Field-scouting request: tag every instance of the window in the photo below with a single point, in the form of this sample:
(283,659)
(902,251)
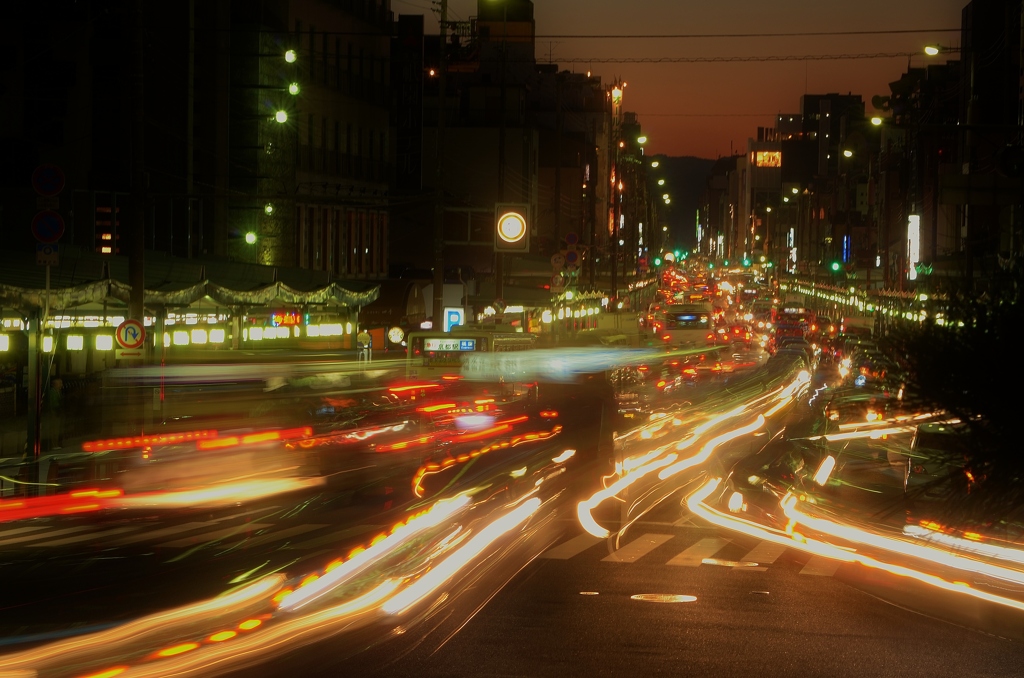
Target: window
(337,63)
(310,58)
(768,159)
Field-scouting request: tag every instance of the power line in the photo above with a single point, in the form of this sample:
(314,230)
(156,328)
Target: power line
(677,36)
(706,115)
(729,59)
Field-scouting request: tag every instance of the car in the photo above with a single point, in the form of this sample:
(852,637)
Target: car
(853,405)
(739,334)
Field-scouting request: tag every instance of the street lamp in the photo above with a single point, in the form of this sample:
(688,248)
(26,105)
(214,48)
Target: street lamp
(250,238)
(290,56)
(932,50)
(641,140)
(661,182)
(847,153)
(655,164)
(281,117)
(876,121)
(268,209)
(293,88)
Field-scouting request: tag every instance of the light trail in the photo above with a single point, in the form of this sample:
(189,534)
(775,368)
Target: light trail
(695,502)
(790,506)
(446,569)
(401,534)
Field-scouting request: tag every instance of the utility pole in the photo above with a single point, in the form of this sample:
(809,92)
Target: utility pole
(136,255)
(499,257)
(439,196)
(190,122)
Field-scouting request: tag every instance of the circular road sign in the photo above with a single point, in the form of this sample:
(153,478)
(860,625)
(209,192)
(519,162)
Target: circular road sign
(571,239)
(511,227)
(47,226)
(48,180)
(131,334)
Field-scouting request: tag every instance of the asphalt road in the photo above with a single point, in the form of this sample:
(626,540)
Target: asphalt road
(550,601)
(577,616)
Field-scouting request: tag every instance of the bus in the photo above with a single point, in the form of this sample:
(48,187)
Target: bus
(686,325)
(435,354)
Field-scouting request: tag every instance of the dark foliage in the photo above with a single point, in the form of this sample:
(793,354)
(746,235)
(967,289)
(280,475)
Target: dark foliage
(971,366)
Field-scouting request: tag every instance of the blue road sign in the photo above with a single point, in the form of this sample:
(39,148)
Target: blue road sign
(48,180)
(47,226)
(453,317)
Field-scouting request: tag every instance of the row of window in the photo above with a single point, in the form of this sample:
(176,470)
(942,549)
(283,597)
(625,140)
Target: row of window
(325,59)
(349,140)
(344,241)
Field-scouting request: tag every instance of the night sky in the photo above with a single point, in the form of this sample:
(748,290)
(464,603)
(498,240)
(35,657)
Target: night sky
(700,108)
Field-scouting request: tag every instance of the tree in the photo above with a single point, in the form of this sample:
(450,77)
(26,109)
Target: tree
(970,367)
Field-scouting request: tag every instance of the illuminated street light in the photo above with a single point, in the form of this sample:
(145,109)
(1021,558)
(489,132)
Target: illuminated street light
(661,182)
(641,140)
(281,116)
(664,228)
(268,209)
(655,164)
(664,196)
(768,209)
(290,56)
(931,50)
(795,191)
(785,198)
(667,201)
(876,121)
(250,238)
(293,88)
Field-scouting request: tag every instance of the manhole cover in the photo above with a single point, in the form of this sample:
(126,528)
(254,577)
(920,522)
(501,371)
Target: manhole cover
(663,598)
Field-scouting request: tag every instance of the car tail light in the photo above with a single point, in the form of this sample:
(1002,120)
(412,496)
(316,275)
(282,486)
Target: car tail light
(666,338)
(661,384)
(689,370)
(711,337)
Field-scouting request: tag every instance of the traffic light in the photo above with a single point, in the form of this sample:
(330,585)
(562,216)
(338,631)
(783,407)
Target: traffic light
(657,261)
(835,266)
(746,263)
(511,227)
(710,266)
(676,253)
(725,263)
(769,265)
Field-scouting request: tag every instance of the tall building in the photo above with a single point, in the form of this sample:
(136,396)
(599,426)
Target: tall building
(254,131)
(311,184)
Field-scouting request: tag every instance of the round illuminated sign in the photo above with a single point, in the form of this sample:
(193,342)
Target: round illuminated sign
(396,334)
(511,227)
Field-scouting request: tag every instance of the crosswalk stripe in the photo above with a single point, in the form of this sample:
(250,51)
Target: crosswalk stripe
(694,556)
(165,532)
(573,547)
(216,534)
(43,535)
(334,538)
(84,537)
(765,553)
(283,534)
(822,567)
(637,548)
(21,530)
